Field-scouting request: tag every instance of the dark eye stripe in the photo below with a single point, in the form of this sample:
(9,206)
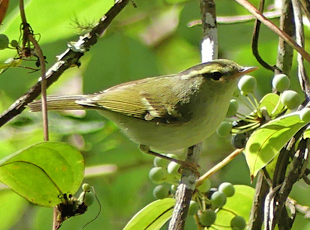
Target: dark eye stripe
(214,75)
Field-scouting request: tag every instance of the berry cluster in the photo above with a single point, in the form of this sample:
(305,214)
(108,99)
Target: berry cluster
(261,112)
(166,175)
(72,206)
(206,201)
(210,201)
(5,42)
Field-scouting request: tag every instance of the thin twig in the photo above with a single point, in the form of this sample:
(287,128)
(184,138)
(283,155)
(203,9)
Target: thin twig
(218,166)
(255,40)
(29,36)
(238,19)
(274,28)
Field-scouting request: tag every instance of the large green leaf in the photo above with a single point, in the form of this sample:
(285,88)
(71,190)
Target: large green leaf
(240,204)
(41,172)
(61,20)
(153,216)
(266,142)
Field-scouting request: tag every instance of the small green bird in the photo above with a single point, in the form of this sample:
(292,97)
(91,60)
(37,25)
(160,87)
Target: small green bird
(164,113)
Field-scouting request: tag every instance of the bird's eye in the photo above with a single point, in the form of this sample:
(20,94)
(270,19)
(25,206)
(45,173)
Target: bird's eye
(214,75)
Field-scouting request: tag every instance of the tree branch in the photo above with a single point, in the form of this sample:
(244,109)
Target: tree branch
(66,60)
(209,51)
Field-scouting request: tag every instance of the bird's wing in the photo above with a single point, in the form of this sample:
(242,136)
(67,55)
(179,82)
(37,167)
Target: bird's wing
(130,100)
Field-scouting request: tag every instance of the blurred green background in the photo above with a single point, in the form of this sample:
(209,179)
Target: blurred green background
(152,39)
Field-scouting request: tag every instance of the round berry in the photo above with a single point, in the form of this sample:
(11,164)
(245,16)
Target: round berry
(281,82)
(161,191)
(305,114)
(158,175)
(205,186)
(239,140)
(224,129)
(160,162)
(233,108)
(207,218)
(89,198)
(218,199)
(247,84)
(4,41)
(173,168)
(227,188)
(193,208)
(290,99)
(210,192)
(238,223)
(86,187)
(14,43)
(173,188)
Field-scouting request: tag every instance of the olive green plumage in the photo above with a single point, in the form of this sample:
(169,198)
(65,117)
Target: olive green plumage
(166,112)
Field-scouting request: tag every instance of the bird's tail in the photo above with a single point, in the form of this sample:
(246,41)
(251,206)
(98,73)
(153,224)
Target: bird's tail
(58,103)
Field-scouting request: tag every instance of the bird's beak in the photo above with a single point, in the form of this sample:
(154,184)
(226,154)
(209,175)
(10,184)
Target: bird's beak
(246,70)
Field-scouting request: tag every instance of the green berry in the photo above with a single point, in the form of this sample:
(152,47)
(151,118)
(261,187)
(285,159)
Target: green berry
(161,191)
(239,140)
(4,41)
(290,99)
(14,43)
(224,129)
(218,199)
(89,198)
(193,208)
(227,188)
(205,186)
(161,162)
(158,175)
(173,188)
(305,114)
(207,218)
(173,168)
(238,223)
(281,82)
(233,108)
(247,84)
(210,192)
(86,187)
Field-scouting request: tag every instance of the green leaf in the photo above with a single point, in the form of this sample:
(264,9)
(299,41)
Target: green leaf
(63,17)
(271,101)
(239,204)
(306,134)
(41,172)
(266,142)
(153,216)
